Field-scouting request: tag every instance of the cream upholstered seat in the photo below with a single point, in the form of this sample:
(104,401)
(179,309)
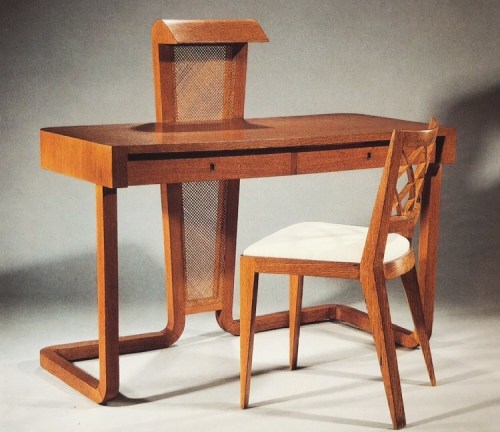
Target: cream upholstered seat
(325,242)
(370,254)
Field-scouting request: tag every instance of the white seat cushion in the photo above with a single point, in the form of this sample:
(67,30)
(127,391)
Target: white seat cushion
(323,242)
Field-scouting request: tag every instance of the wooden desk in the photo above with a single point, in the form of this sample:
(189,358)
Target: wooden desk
(117,156)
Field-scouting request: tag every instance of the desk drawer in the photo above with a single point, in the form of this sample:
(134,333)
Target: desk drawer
(341,159)
(152,171)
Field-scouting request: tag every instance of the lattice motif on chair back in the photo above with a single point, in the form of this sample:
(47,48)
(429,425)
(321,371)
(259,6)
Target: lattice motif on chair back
(204,90)
(408,194)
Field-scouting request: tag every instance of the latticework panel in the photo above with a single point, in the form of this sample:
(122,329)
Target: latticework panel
(411,177)
(204,81)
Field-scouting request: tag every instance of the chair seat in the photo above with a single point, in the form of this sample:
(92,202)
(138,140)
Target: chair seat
(322,241)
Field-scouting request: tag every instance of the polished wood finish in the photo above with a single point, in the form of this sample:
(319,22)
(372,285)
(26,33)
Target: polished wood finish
(214,53)
(171,200)
(58,359)
(397,208)
(296,290)
(337,142)
(172,32)
(308,132)
(428,240)
(83,159)
(158,153)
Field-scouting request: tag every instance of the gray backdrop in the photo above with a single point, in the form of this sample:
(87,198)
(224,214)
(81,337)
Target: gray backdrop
(89,62)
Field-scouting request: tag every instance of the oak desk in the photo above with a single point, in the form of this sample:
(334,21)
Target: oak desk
(172,155)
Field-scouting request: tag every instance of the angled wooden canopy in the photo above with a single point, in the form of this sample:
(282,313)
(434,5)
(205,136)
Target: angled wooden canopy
(173,32)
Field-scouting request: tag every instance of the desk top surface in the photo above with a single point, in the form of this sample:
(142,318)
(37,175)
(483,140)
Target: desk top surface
(239,134)
(129,154)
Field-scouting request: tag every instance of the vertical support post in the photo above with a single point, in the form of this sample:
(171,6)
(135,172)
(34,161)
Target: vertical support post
(171,200)
(107,291)
(225,315)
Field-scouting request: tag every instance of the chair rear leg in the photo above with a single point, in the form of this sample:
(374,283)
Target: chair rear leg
(248,301)
(410,283)
(296,289)
(377,304)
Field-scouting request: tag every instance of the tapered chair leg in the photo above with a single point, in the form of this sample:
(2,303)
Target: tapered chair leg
(410,283)
(374,291)
(248,302)
(296,289)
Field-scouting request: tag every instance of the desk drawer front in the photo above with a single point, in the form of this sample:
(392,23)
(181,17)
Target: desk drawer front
(208,168)
(340,159)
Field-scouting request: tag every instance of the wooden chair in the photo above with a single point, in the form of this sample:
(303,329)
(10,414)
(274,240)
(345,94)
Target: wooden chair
(371,254)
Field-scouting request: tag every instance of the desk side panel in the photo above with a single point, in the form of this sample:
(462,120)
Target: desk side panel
(448,135)
(84,160)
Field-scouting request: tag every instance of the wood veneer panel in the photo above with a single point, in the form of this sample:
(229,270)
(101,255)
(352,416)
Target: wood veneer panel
(251,134)
(205,169)
(207,31)
(100,164)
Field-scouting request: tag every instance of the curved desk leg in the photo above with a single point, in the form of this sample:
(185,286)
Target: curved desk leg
(171,205)
(224,316)
(59,360)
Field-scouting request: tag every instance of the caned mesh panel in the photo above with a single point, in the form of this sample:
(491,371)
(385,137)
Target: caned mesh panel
(204,207)
(200,82)
(204,88)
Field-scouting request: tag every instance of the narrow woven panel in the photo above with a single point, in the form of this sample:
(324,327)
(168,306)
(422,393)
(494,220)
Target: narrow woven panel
(204,86)
(204,206)
(200,80)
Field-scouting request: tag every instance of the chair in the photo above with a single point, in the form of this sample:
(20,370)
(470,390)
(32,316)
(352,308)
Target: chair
(371,254)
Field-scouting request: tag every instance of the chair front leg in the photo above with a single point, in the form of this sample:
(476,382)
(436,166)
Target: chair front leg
(375,293)
(410,283)
(248,301)
(296,289)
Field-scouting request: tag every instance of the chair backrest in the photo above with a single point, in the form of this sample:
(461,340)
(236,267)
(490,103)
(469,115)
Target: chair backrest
(418,151)
(398,203)
(200,77)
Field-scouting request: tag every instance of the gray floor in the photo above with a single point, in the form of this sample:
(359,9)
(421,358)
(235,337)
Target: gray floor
(194,385)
